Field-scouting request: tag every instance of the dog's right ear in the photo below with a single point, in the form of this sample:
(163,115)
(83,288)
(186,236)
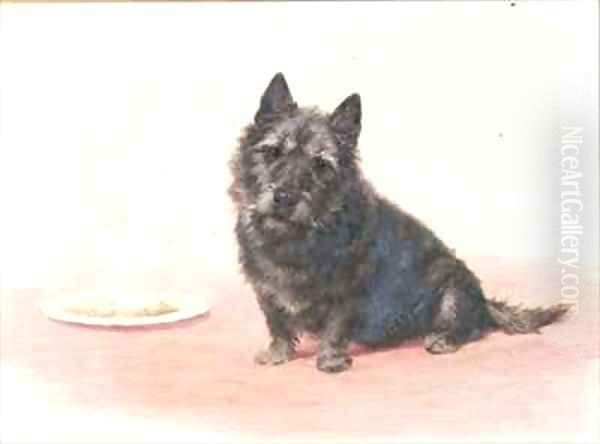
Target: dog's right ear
(276,99)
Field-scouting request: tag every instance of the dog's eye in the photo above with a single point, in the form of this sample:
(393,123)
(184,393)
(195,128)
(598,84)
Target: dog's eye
(306,182)
(321,163)
(272,152)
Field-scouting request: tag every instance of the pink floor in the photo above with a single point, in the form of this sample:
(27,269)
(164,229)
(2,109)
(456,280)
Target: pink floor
(199,375)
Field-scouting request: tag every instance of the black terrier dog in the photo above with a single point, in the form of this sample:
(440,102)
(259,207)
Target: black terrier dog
(328,256)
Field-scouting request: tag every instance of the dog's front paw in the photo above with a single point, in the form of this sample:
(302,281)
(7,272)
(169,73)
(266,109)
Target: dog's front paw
(334,363)
(276,354)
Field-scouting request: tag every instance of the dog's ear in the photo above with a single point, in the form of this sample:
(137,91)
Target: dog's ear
(276,99)
(345,120)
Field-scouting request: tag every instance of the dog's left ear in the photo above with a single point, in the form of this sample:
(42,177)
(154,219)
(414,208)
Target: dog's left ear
(276,99)
(346,118)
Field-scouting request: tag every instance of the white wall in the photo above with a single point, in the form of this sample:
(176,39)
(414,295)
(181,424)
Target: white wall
(118,120)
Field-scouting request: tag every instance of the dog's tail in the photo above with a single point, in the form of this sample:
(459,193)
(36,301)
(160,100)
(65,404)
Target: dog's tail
(513,319)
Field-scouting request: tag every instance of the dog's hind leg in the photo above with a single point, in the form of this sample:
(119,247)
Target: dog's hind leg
(457,321)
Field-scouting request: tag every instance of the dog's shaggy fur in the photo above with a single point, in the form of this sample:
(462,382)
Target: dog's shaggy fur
(328,256)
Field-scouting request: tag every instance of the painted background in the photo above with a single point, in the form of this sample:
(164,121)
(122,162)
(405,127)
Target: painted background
(117,122)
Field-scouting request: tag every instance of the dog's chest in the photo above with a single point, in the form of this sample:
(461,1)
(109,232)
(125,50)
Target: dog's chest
(290,302)
(289,289)
(305,313)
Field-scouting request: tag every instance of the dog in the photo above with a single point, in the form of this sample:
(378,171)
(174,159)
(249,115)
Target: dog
(328,256)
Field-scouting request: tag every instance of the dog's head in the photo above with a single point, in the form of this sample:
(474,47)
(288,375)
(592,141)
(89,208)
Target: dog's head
(295,165)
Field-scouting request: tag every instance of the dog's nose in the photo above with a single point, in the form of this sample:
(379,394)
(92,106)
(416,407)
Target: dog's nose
(280,197)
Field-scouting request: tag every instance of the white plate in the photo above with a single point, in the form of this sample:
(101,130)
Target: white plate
(188,307)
